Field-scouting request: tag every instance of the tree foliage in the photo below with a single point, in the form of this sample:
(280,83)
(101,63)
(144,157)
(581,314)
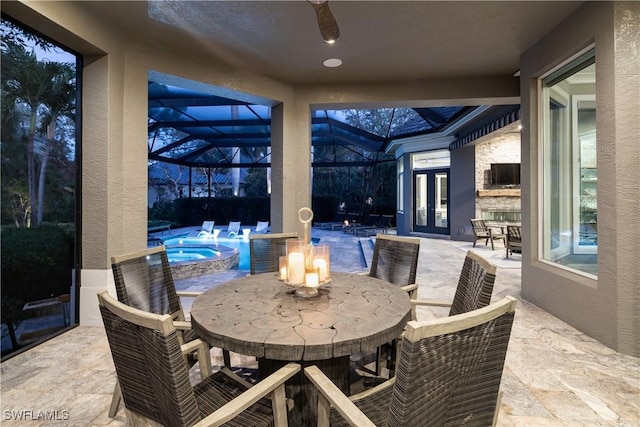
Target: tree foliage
(38,106)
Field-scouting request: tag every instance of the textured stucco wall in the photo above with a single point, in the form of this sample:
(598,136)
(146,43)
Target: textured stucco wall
(606,308)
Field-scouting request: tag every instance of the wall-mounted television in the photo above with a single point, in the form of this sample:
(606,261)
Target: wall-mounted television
(505,173)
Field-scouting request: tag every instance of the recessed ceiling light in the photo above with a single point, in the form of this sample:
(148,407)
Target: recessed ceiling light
(332,62)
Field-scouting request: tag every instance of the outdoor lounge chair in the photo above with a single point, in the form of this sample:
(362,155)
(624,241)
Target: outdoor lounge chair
(338,220)
(265,251)
(483,232)
(144,281)
(207,229)
(348,220)
(233,229)
(262,227)
(154,376)
(449,374)
(368,224)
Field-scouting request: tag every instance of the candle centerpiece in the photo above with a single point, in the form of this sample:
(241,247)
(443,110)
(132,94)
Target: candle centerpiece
(307,266)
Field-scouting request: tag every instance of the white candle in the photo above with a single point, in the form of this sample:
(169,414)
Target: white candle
(295,270)
(283,273)
(311,280)
(321,265)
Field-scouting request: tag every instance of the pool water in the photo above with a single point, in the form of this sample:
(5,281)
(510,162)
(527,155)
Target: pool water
(202,248)
(209,248)
(189,254)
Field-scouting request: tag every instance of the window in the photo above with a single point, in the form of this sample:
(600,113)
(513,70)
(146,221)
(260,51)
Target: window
(39,182)
(569,220)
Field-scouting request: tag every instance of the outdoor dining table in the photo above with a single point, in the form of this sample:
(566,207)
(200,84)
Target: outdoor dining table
(261,316)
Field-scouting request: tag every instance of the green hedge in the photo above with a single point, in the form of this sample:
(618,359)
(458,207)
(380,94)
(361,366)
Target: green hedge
(248,210)
(36,262)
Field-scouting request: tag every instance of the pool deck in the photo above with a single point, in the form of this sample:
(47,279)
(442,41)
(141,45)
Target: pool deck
(349,253)
(554,375)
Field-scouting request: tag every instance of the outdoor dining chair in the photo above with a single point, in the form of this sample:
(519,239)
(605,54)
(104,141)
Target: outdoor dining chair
(144,281)
(395,260)
(265,251)
(154,376)
(449,374)
(475,286)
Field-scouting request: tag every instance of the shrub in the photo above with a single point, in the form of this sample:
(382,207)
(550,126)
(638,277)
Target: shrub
(36,262)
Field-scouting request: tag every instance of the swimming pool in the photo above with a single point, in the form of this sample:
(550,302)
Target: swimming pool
(196,248)
(190,254)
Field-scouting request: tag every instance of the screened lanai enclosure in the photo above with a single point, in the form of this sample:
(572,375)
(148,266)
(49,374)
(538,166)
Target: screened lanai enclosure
(203,145)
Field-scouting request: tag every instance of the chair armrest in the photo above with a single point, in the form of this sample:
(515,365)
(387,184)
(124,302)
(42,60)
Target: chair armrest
(182,325)
(330,395)
(204,357)
(430,302)
(373,390)
(274,383)
(188,294)
(412,290)
(425,302)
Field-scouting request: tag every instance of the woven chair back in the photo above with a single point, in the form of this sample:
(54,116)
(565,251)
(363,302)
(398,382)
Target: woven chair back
(475,284)
(266,249)
(395,259)
(514,233)
(452,378)
(144,281)
(151,369)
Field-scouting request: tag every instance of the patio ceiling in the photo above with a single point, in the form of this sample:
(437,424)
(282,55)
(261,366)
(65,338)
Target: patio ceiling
(191,128)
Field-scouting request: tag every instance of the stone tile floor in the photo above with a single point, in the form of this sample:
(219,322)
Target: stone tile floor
(554,374)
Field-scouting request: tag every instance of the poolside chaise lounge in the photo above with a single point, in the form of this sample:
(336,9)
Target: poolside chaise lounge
(207,229)
(262,227)
(233,229)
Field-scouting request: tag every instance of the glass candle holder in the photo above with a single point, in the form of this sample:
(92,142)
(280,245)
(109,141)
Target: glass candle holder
(311,279)
(295,261)
(322,262)
(283,267)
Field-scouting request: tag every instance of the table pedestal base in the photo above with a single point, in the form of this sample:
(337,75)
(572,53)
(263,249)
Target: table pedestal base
(300,389)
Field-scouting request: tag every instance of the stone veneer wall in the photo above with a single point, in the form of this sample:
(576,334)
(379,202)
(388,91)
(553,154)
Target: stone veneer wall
(502,146)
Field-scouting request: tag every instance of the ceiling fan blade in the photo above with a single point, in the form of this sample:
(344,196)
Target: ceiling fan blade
(326,22)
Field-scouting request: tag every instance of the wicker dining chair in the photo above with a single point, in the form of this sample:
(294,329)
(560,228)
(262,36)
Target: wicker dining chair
(154,376)
(395,259)
(144,281)
(475,286)
(448,374)
(265,251)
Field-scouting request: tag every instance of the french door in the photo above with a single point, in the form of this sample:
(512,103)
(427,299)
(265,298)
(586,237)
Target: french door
(430,201)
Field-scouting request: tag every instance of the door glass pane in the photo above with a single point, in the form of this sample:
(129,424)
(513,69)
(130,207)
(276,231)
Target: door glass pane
(441,199)
(421,199)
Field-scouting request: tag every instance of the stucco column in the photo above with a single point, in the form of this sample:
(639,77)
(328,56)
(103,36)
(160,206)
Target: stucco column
(290,161)
(114,170)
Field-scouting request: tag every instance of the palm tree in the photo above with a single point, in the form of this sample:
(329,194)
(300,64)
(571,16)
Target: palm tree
(59,101)
(40,85)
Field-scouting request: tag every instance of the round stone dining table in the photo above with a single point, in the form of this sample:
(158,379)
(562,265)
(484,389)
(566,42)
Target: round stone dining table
(261,316)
